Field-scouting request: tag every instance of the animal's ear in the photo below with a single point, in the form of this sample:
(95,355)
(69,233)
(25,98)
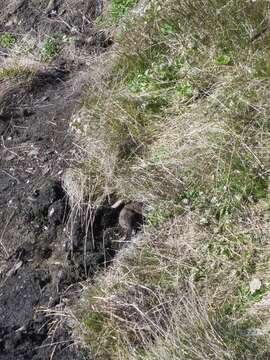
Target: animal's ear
(117,204)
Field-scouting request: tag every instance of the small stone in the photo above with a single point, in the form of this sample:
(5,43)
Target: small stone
(204,221)
(214,200)
(51,212)
(216,230)
(53,13)
(33,152)
(254,285)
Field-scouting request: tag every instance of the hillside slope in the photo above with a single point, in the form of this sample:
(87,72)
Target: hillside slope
(165,103)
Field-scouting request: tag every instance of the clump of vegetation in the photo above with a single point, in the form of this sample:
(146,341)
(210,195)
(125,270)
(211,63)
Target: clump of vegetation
(120,7)
(50,47)
(224,60)
(16,72)
(7,40)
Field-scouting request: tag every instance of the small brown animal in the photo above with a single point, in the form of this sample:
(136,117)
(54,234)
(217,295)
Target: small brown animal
(131,218)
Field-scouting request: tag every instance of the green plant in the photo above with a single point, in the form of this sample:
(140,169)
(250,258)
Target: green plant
(262,68)
(50,47)
(160,75)
(140,82)
(184,89)
(95,322)
(239,337)
(120,7)
(101,334)
(7,40)
(224,60)
(169,28)
(237,183)
(164,210)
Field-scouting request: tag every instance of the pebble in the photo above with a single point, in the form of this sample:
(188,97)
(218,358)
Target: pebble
(254,285)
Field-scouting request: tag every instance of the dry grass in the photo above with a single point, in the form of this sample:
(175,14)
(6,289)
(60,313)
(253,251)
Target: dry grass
(180,120)
(173,114)
(181,293)
(178,117)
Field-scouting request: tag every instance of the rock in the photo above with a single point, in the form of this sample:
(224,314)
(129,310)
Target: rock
(34,152)
(20,293)
(254,285)
(4,183)
(204,221)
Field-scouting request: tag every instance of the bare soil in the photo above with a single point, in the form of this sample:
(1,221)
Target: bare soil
(48,17)
(35,149)
(42,258)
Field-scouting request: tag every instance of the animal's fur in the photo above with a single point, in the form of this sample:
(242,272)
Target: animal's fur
(131,218)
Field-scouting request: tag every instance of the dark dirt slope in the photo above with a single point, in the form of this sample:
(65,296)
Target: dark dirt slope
(35,149)
(38,272)
(48,16)
(35,143)
(40,269)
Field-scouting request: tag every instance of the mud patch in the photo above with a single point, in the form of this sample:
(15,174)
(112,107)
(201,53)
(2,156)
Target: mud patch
(53,30)
(35,149)
(35,145)
(48,16)
(45,248)
(42,275)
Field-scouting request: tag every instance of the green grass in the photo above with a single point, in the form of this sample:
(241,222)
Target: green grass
(7,40)
(94,322)
(119,8)
(16,73)
(50,47)
(224,60)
